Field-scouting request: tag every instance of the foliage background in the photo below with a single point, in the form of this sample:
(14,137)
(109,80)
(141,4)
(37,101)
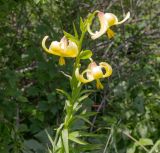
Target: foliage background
(129,107)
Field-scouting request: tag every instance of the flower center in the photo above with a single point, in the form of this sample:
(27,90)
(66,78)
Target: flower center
(97,72)
(110,19)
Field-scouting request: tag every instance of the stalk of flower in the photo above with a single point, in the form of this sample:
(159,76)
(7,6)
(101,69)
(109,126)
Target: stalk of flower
(64,48)
(94,72)
(106,20)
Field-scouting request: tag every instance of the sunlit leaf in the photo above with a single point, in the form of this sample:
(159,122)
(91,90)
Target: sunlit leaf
(65,140)
(131,149)
(86,54)
(84,118)
(146,141)
(71,37)
(73,137)
(64,93)
(82,26)
(75,31)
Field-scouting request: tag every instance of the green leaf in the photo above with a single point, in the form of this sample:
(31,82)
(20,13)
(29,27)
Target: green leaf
(74,134)
(146,142)
(71,37)
(90,147)
(22,99)
(73,137)
(65,140)
(49,151)
(57,136)
(86,91)
(75,31)
(131,149)
(50,139)
(88,114)
(64,93)
(82,25)
(155,147)
(36,1)
(33,144)
(86,54)
(85,134)
(76,106)
(84,118)
(83,97)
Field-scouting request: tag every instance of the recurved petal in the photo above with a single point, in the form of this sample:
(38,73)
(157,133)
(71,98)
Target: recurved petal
(44,44)
(126,18)
(103,26)
(107,68)
(80,77)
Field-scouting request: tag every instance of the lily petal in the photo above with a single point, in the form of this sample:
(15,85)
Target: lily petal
(126,18)
(107,68)
(80,77)
(64,42)
(55,48)
(103,26)
(44,45)
(71,50)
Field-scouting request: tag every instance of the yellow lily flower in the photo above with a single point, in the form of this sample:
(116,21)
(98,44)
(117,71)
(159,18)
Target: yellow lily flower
(106,21)
(94,72)
(64,48)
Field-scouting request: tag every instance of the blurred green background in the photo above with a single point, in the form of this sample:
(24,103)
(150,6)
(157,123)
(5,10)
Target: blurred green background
(29,104)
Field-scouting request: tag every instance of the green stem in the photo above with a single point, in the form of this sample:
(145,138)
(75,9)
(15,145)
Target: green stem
(155,146)
(136,141)
(74,95)
(74,85)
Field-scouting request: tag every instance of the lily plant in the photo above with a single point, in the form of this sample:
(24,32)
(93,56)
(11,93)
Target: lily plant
(70,46)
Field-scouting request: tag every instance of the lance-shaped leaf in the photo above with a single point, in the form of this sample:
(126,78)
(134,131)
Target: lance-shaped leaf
(65,140)
(85,134)
(90,147)
(82,25)
(86,91)
(73,137)
(64,93)
(146,142)
(84,119)
(88,114)
(71,37)
(83,97)
(86,54)
(75,31)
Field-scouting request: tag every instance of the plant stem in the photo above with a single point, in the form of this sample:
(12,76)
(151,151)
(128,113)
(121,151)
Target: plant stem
(74,84)
(136,141)
(74,96)
(155,146)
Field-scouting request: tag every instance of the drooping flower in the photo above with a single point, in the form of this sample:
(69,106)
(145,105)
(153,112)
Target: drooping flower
(64,48)
(106,21)
(94,72)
